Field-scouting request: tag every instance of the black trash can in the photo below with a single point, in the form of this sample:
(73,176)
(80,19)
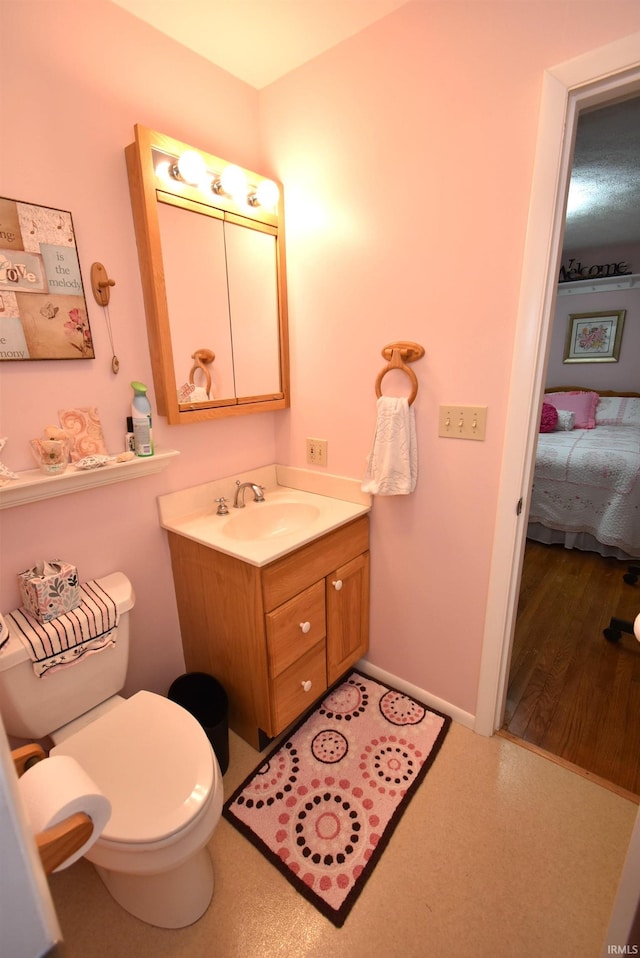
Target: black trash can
(204,697)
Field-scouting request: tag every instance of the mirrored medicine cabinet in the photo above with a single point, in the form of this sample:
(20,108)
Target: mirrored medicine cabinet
(210,239)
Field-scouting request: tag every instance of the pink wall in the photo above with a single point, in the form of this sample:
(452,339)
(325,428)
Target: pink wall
(76,78)
(406,154)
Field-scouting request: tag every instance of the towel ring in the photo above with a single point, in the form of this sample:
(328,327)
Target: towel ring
(398,355)
(202,357)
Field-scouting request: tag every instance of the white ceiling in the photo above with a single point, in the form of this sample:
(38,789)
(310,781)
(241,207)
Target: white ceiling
(259,41)
(604,198)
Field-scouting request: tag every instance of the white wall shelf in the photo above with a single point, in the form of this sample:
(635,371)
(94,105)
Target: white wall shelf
(33,484)
(606,283)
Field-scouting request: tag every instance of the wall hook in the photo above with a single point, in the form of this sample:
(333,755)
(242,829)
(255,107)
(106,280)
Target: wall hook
(100,284)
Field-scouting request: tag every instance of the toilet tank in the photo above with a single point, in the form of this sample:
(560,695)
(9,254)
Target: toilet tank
(33,706)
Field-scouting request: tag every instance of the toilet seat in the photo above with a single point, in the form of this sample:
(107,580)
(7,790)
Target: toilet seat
(153,761)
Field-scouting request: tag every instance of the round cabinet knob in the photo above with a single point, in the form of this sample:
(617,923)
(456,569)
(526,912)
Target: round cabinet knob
(337,584)
(305,627)
(306,685)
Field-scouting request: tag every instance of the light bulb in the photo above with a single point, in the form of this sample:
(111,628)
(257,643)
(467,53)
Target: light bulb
(267,193)
(163,171)
(192,167)
(234,182)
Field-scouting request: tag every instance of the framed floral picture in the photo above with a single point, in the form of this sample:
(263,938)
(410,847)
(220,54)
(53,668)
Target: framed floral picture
(594,337)
(43,311)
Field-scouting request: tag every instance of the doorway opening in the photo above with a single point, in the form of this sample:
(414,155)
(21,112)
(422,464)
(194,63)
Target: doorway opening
(597,78)
(570,693)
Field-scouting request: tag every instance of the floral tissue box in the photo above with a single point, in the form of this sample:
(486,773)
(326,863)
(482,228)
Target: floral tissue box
(50,589)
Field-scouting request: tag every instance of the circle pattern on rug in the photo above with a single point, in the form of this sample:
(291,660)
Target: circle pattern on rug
(347,702)
(328,834)
(390,764)
(401,710)
(329,746)
(273,780)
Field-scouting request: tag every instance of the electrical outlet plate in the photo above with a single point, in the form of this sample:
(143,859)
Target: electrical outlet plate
(317,451)
(462,422)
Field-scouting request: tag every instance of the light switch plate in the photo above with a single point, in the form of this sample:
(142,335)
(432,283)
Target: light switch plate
(462,422)
(317,451)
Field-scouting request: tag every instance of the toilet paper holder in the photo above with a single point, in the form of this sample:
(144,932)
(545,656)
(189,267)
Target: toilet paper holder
(59,842)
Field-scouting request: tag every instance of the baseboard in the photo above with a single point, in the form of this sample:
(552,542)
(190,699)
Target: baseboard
(439,705)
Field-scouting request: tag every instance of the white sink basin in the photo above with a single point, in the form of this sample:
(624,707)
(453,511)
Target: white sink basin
(299,507)
(266,520)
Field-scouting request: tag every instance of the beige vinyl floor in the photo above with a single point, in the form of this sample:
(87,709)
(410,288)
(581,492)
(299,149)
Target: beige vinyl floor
(500,853)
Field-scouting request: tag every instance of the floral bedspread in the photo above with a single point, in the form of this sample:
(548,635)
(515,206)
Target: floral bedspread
(588,480)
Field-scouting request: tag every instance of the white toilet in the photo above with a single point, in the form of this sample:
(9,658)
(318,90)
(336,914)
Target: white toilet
(147,754)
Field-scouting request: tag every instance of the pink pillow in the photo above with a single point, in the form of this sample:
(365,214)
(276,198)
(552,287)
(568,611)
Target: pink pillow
(582,404)
(549,418)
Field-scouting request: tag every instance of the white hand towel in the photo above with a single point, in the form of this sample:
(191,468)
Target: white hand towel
(392,467)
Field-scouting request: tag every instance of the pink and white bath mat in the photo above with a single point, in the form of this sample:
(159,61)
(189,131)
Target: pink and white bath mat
(324,804)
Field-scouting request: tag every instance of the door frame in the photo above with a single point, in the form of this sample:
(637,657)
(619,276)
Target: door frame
(597,77)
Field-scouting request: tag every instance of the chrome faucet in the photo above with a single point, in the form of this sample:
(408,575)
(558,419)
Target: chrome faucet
(238,501)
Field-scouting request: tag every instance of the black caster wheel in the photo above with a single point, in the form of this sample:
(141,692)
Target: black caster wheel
(630,578)
(612,635)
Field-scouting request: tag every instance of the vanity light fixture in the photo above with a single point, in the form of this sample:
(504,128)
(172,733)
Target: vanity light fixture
(190,168)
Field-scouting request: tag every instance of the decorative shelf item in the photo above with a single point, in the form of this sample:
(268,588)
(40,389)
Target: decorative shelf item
(33,485)
(630,281)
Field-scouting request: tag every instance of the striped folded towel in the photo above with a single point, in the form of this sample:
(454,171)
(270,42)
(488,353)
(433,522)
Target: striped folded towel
(90,627)
(4,632)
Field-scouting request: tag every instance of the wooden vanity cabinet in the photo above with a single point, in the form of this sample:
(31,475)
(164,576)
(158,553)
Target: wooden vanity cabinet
(275,636)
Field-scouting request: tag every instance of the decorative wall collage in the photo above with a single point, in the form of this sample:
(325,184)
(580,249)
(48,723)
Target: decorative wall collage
(43,311)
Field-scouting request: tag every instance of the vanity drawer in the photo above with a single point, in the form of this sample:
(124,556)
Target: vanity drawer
(296,689)
(295,627)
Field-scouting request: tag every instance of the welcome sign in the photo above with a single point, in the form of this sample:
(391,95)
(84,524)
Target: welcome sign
(43,311)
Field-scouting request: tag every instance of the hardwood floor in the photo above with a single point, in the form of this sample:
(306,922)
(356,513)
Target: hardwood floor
(571,693)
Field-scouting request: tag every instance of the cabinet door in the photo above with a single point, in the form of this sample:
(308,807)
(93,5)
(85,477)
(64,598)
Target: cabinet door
(347,592)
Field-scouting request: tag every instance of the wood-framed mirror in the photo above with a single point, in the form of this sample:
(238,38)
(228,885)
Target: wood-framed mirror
(212,264)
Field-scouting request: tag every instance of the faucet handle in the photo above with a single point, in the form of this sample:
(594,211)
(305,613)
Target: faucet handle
(222,506)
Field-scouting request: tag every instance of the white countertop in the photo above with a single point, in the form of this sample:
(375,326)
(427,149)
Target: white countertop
(191,512)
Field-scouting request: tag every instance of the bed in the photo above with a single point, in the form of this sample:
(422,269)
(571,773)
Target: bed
(586,489)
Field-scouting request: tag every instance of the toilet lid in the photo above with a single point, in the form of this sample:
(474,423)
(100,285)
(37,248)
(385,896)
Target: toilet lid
(152,760)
